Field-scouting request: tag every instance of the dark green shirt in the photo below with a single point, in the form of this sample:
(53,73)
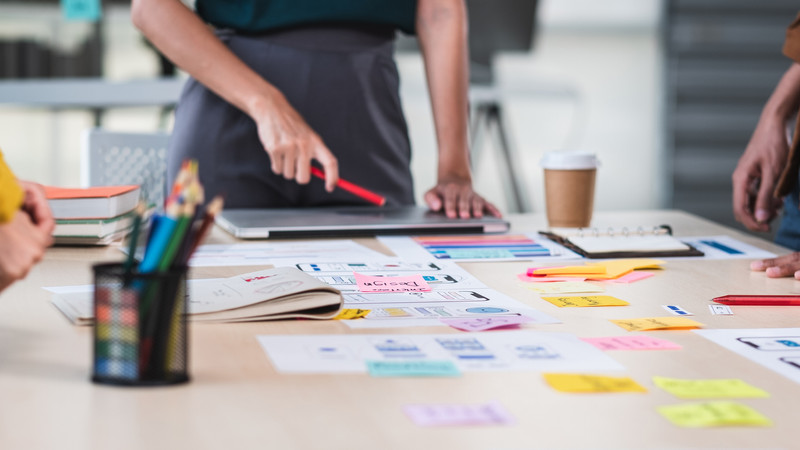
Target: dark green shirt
(254,16)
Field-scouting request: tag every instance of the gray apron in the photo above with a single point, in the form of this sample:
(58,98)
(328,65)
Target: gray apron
(342,81)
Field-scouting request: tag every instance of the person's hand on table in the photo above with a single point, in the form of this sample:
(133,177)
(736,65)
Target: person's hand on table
(456,198)
(35,204)
(292,144)
(782,266)
(756,175)
(23,243)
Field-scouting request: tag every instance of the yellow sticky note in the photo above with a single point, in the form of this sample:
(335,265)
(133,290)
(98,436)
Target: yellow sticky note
(562,287)
(570,270)
(616,268)
(588,300)
(658,323)
(349,314)
(713,388)
(574,382)
(713,414)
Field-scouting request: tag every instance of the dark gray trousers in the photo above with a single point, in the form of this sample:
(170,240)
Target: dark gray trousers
(344,83)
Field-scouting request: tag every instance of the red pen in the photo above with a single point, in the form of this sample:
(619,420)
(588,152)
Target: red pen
(353,189)
(759,300)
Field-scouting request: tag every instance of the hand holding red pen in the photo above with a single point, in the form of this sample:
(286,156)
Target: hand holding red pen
(352,188)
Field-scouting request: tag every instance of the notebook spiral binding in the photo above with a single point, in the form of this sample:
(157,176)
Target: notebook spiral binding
(624,231)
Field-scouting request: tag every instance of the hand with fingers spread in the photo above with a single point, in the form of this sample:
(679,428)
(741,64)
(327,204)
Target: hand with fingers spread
(782,266)
(457,199)
(291,144)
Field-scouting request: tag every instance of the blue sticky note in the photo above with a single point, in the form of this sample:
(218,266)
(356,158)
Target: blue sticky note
(88,10)
(412,369)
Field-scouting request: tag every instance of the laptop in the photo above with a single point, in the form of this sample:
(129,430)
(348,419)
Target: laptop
(349,221)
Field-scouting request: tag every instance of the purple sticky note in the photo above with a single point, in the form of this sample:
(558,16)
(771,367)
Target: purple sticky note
(448,415)
(632,343)
(484,323)
(410,283)
(636,275)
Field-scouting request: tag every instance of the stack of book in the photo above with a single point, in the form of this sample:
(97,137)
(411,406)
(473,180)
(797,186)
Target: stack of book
(92,216)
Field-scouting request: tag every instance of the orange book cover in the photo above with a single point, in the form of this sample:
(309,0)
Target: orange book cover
(53,193)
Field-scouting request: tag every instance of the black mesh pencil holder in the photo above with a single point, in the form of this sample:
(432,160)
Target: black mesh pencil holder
(140,332)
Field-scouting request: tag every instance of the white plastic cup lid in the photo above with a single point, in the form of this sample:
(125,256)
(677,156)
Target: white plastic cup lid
(569,161)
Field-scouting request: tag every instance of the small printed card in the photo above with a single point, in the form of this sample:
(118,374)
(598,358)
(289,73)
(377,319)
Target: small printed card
(454,415)
(410,283)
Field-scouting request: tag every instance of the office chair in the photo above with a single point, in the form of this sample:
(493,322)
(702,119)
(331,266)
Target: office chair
(114,158)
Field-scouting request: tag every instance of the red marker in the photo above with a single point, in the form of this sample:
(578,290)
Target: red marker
(353,189)
(759,300)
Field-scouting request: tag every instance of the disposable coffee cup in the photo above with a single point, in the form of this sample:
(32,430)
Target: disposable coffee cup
(569,179)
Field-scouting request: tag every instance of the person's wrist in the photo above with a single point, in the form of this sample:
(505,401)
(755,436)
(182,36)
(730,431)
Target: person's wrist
(261,103)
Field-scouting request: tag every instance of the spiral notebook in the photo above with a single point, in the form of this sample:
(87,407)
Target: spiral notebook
(622,242)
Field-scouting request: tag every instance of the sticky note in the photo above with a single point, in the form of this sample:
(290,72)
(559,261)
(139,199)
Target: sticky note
(581,383)
(633,277)
(590,300)
(548,279)
(88,10)
(658,323)
(412,369)
(450,415)
(410,283)
(632,343)
(486,323)
(567,270)
(616,268)
(564,287)
(350,314)
(710,388)
(713,414)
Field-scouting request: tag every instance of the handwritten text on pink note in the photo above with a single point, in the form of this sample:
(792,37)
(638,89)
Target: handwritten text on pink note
(486,323)
(636,275)
(410,283)
(632,343)
(449,415)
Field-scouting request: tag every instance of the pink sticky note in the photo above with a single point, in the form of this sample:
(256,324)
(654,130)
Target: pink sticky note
(636,275)
(632,343)
(448,415)
(544,279)
(410,283)
(486,323)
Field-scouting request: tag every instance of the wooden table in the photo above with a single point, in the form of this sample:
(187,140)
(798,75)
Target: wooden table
(236,399)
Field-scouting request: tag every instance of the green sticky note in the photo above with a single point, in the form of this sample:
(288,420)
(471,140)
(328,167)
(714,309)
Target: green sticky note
(713,414)
(713,388)
(412,369)
(86,10)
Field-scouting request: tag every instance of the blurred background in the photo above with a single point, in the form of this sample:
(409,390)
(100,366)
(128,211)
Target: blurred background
(665,92)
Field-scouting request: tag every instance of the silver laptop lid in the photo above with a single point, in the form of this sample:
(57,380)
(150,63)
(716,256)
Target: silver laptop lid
(348,221)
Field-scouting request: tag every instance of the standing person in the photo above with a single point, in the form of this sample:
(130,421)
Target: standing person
(26,225)
(277,84)
(769,169)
